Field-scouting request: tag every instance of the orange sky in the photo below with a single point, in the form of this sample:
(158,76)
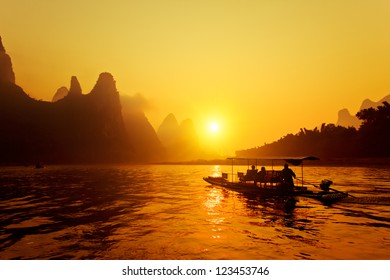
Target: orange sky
(259,68)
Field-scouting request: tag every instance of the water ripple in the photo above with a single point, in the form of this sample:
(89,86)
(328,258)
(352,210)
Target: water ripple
(168,212)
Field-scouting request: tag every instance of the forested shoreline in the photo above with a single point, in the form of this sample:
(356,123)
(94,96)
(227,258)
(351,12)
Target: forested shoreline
(331,142)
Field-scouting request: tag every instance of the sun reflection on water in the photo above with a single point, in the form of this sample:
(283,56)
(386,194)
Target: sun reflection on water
(213,203)
(213,200)
(216,171)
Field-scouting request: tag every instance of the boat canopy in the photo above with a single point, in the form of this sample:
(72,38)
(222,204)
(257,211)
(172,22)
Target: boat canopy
(291,160)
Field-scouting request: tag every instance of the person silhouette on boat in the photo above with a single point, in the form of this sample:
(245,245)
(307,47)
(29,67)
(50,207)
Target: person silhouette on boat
(261,176)
(287,176)
(251,174)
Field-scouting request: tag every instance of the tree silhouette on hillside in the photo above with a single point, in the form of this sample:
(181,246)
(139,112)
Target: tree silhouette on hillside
(331,141)
(374,132)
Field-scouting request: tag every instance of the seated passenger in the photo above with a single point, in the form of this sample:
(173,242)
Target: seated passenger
(261,176)
(251,174)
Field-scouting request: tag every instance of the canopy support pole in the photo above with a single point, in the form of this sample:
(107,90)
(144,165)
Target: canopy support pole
(232,171)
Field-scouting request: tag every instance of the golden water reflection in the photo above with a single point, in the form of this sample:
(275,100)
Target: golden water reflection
(169,212)
(213,203)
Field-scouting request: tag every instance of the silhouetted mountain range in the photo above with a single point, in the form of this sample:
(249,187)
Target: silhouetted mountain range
(6,71)
(60,93)
(180,141)
(346,119)
(141,133)
(75,128)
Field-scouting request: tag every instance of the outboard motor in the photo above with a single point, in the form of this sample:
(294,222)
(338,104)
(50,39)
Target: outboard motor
(325,185)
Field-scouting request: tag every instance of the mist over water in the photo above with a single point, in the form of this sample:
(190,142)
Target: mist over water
(169,212)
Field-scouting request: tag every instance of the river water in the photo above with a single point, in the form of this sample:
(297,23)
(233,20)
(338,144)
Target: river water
(169,212)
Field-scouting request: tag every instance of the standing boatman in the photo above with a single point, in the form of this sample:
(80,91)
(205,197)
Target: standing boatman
(287,176)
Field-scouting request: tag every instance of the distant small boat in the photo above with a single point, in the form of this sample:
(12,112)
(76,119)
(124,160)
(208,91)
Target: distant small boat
(272,182)
(39,165)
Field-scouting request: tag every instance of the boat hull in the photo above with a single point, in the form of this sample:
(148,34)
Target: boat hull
(327,197)
(250,187)
(279,190)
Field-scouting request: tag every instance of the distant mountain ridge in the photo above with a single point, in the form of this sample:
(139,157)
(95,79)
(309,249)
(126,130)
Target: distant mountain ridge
(346,119)
(74,128)
(60,93)
(367,103)
(179,140)
(6,71)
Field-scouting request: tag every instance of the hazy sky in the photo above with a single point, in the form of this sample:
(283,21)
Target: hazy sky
(259,68)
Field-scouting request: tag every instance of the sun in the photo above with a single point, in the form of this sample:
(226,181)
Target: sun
(214,127)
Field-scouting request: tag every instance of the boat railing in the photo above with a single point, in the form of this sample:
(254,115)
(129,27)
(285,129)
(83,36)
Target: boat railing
(272,177)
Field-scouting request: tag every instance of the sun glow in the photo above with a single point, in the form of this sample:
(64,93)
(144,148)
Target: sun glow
(214,127)
(215,134)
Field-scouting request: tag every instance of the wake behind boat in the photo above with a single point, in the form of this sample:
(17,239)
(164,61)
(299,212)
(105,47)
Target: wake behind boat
(274,182)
